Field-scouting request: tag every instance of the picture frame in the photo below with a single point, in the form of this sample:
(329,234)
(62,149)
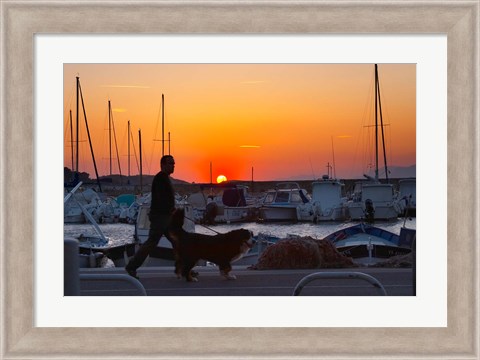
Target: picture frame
(22,20)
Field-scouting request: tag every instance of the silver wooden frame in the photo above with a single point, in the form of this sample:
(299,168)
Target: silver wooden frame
(21,20)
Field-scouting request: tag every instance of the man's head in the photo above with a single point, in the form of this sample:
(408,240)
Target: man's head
(167,164)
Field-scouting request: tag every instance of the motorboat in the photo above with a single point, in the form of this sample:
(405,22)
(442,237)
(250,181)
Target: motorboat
(223,203)
(328,201)
(373,201)
(407,197)
(367,244)
(287,202)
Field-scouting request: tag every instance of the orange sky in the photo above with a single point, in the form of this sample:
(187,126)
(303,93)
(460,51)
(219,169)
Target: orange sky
(280,119)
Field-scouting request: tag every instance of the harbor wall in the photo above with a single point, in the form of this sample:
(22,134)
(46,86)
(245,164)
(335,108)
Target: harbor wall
(184,188)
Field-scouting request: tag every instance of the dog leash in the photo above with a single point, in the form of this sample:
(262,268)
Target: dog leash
(206,227)
(215,231)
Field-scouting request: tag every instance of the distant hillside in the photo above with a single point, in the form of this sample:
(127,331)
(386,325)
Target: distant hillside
(395,172)
(134,180)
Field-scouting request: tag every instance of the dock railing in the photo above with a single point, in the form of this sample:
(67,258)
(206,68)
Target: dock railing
(339,275)
(72,277)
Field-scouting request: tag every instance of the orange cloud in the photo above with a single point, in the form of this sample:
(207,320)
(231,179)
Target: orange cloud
(250,82)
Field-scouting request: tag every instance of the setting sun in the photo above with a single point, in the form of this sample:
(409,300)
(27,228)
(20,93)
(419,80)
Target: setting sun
(300,118)
(221,178)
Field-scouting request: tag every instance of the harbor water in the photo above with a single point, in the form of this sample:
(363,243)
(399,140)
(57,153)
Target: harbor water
(119,233)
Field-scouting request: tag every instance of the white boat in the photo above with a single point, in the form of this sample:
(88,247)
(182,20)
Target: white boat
(287,202)
(328,201)
(72,211)
(374,200)
(407,197)
(73,215)
(223,204)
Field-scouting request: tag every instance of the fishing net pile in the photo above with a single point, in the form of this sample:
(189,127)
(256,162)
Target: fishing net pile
(399,261)
(302,253)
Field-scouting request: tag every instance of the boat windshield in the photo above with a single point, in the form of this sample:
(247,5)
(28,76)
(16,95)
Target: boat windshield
(282,197)
(296,198)
(269,197)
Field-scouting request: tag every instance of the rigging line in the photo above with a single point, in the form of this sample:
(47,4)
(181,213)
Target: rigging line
(110,136)
(135,151)
(124,135)
(77,121)
(155,134)
(105,145)
(116,148)
(67,104)
(88,132)
(311,166)
(387,117)
(142,163)
(383,136)
(360,137)
(71,136)
(70,102)
(68,127)
(333,155)
(122,145)
(376,122)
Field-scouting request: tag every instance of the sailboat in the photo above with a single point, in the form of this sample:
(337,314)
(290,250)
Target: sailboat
(90,199)
(373,200)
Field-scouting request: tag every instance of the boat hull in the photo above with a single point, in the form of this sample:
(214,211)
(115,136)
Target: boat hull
(332,214)
(382,212)
(278,213)
(369,244)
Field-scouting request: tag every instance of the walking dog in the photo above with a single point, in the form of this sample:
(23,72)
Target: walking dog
(221,249)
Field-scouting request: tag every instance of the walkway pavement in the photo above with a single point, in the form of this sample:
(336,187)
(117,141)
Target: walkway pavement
(159,281)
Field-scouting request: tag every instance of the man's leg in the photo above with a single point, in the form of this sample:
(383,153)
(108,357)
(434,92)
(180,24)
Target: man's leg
(144,250)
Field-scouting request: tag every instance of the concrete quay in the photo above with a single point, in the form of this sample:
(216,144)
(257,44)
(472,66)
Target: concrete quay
(161,281)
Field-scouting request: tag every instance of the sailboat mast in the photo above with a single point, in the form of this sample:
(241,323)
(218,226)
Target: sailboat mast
(140,147)
(383,135)
(376,123)
(110,135)
(163,126)
(89,138)
(211,179)
(116,149)
(71,138)
(128,135)
(78,101)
